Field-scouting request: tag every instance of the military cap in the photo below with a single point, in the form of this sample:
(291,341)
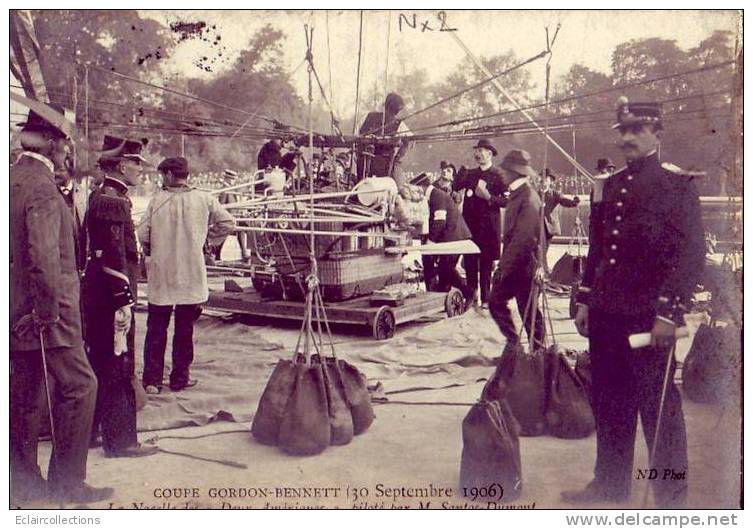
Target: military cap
(177,166)
(604,163)
(420,180)
(637,113)
(36,123)
(518,161)
(115,148)
(483,143)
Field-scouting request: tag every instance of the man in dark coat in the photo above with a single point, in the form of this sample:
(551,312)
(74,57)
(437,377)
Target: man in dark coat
(110,290)
(484,192)
(646,254)
(551,199)
(44,306)
(387,156)
(517,267)
(446,224)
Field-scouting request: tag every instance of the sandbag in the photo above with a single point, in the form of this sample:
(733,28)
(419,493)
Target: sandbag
(711,373)
(491,452)
(583,372)
(568,269)
(305,425)
(357,396)
(520,379)
(568,410)
(266,424)
(340,418)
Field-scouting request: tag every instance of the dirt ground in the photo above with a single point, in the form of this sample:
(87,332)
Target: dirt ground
(411,446)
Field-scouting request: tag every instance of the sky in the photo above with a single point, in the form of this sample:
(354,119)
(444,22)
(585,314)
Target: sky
(585,37)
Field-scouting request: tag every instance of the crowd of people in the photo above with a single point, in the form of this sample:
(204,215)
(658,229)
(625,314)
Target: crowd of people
(75,260)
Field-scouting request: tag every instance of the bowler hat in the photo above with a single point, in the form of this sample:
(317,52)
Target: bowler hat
(36,123)
(603,163)
(518,161)
(637,113)
(483,143)
(176,166)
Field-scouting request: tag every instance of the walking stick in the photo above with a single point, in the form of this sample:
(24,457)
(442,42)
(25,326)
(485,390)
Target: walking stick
(47,389)
(651,456)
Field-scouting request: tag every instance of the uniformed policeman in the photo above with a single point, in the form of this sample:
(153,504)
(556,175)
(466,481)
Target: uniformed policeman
(645,257)
(110,284)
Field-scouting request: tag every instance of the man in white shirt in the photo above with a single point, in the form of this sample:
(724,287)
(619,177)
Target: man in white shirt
(172,232)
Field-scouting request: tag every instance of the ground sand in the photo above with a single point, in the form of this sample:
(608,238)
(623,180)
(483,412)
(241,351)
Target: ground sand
(407,445)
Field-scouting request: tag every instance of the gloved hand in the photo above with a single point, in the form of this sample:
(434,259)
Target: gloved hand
(662,334)
(123,319)
(576,199)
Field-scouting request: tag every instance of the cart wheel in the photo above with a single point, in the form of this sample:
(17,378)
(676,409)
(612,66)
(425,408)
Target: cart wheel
(383,327)
(454,303)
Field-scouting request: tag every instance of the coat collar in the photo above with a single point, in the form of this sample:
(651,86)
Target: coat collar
(116,184)
(36,156)
(650,160)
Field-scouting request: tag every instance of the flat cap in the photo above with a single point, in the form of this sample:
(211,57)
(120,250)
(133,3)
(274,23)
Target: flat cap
(173,165)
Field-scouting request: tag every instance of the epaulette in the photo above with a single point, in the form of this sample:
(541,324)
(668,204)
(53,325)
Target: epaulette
(672,168)
(686,175)
(111,208)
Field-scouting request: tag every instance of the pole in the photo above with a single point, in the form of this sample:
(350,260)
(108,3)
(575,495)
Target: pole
(86,113)
(47,391)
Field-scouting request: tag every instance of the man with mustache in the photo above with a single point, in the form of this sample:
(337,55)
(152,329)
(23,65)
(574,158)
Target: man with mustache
(645,257)
(484,194)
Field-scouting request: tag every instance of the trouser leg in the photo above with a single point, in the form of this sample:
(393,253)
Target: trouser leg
(448,274)
(155,343)
(501,294)
(527,305)
(72,411)
(116,399)
(486,263)
(26,403)
(185,317)
(471,263)
(615,402)
(671,452)
(430,272)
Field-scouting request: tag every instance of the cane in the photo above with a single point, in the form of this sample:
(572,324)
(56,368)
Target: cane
(47,389)
(651,456)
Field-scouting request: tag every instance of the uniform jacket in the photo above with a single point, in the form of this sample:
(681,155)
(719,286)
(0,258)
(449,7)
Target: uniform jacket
(446,224)
(172,232)
(646,251)
(77,199)
(522,230)
(43,273)
(481,216)
(552,199)
(111,277)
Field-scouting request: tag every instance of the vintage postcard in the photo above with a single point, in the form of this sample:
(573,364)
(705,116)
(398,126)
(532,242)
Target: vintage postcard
(376,259)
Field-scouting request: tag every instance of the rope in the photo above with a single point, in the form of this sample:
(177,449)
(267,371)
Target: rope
(386,67)
(491,78)
(188,96)
(329,62)
(569,99)
(358,73)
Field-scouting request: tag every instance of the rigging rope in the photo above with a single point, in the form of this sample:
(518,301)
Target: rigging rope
(358,73)
(583,96)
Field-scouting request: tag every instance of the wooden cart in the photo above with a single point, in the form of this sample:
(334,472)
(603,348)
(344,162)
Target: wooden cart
(381,319)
